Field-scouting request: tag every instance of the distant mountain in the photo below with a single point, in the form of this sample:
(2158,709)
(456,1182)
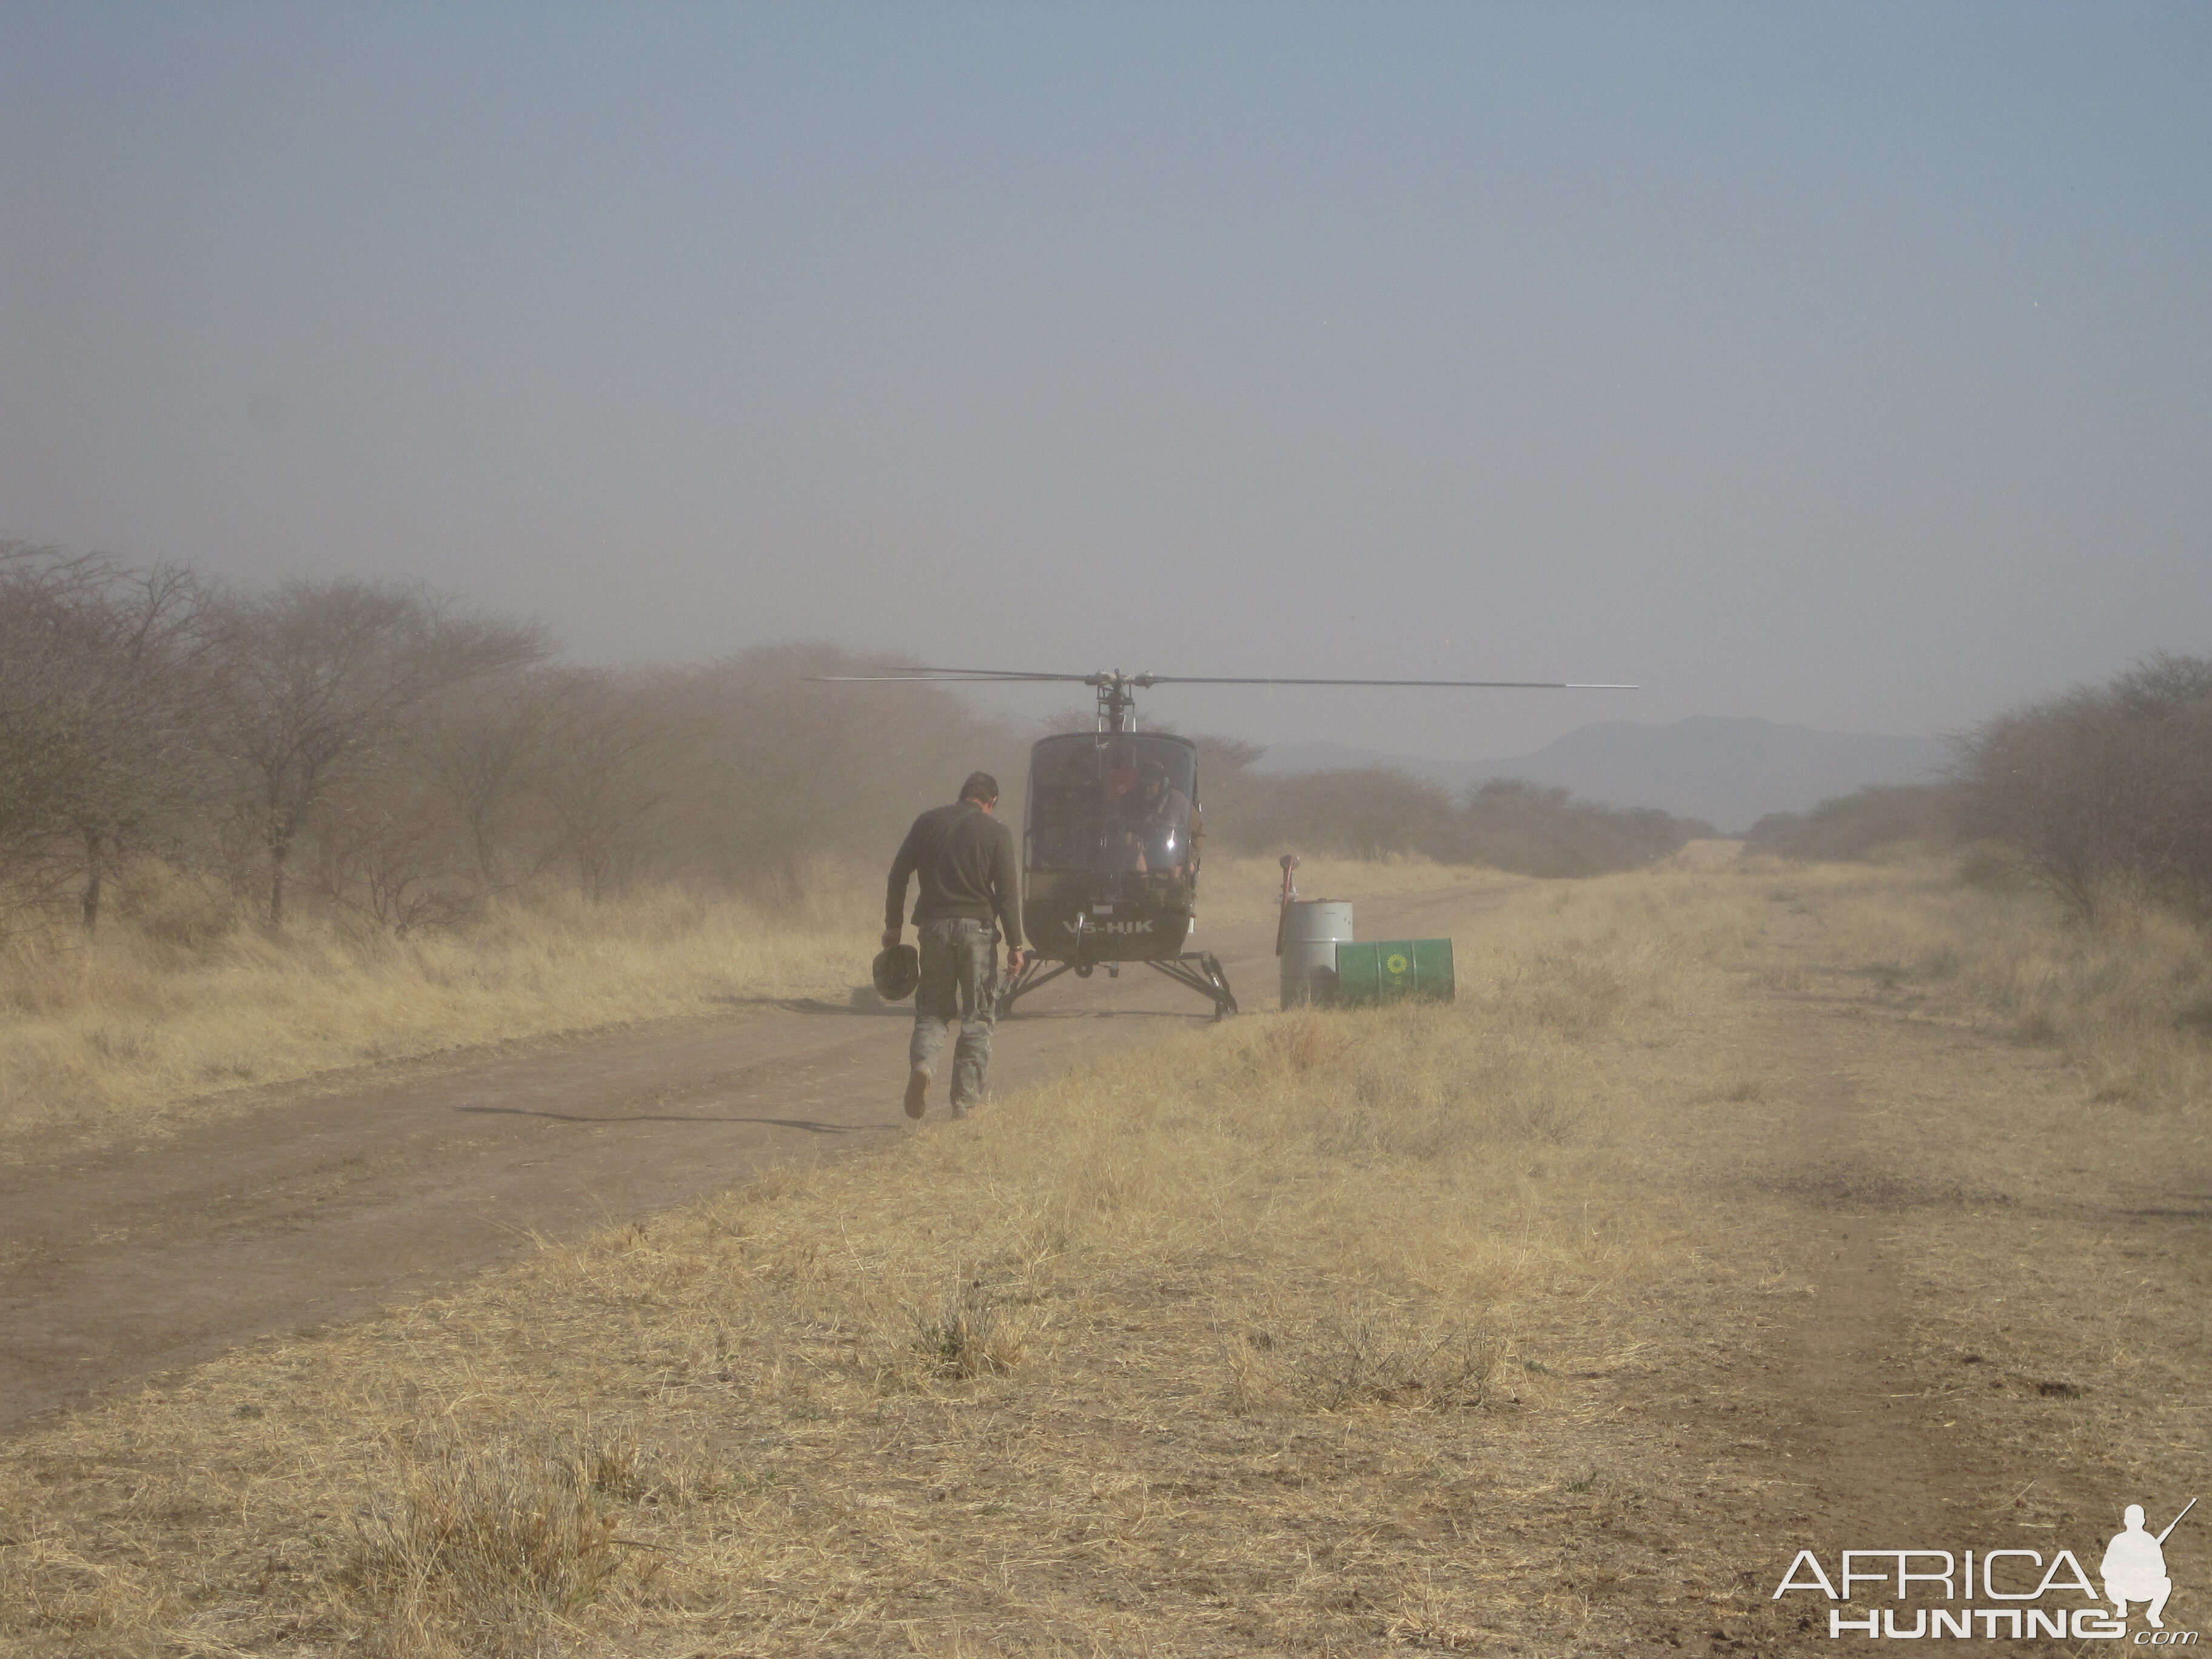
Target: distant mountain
(1290,759)
(1729,772)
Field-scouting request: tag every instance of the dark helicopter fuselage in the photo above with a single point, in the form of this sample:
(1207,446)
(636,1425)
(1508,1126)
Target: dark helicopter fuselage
(1110,847)
(1109,861)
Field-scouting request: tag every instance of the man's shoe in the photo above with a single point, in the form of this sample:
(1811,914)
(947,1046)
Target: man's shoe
(917,1091)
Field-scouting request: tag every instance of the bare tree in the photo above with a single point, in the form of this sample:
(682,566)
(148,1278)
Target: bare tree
(492,756)
(40,591)
(148,765)
(1867,824)
(790,773)
(2169,699)
(323,675)
(1538,830)
(2105,793)
(621,753)
(2064,788)
(105,689)
(388,847)
(1507,823)
(1365,812)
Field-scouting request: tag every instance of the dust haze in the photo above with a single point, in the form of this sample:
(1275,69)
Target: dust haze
(1840,367)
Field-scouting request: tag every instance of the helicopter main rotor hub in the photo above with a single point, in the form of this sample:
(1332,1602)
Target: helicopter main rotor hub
(1117,699)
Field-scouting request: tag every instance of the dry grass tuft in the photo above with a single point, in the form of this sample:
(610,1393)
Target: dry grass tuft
(969,1336)
(487,1541)
(1356,1354)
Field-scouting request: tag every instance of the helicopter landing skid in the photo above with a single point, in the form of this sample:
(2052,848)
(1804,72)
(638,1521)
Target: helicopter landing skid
(1034,973)
(1199,969)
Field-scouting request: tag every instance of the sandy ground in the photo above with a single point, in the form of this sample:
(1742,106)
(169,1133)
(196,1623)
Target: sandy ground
(1938,1300)
(326,1200)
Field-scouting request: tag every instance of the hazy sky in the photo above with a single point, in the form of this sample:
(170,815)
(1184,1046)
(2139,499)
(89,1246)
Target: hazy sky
(1844,364)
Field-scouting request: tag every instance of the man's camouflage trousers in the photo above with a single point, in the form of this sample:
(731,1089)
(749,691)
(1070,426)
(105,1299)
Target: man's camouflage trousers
(960,981)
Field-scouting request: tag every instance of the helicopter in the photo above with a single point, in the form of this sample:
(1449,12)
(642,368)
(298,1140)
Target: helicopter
(1112,836)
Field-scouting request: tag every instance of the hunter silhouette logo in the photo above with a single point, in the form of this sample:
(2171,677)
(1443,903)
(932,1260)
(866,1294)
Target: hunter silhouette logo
(2025,1595)
(2134,1568)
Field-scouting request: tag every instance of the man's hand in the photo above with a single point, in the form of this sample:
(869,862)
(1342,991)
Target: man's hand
(1018,957)
(892,937)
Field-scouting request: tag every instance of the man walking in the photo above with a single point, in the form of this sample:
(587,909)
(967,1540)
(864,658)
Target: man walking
(964,860)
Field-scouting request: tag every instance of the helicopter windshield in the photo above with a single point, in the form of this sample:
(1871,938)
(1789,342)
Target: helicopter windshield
(1111,801)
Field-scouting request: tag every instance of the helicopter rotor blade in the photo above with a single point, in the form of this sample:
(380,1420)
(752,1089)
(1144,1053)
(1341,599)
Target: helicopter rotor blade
(1492,685)
(942,677)
(1143,680)
(1001,674)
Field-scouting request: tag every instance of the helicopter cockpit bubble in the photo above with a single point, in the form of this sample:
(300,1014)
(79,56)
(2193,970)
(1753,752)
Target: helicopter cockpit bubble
(1112,802)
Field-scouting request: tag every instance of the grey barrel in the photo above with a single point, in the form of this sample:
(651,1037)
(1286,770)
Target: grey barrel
(1312,929)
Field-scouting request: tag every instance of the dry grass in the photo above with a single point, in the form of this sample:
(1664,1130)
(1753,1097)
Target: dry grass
(1242,1329)
(168,1013)
(1290,1335)
(2128,1001)
(148,1018)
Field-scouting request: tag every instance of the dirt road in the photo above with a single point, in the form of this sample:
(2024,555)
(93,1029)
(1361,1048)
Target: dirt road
(1934,1300)
(326,1200)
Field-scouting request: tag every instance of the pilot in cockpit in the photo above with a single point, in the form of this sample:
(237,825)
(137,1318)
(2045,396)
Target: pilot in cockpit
(1158,816)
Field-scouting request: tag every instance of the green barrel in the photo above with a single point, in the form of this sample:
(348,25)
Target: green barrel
(1393,969)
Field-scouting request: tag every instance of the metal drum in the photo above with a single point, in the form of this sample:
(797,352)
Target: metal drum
(1392,970)
(1312,930)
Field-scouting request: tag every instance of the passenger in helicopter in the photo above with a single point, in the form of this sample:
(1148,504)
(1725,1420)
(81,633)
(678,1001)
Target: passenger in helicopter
(1158,816)
(1120,779)
(1119,810)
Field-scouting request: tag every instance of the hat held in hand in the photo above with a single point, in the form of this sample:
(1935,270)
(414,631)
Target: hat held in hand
(898,970)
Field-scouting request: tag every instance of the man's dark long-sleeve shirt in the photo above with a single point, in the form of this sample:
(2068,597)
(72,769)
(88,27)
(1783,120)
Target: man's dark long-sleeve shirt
(965,858)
